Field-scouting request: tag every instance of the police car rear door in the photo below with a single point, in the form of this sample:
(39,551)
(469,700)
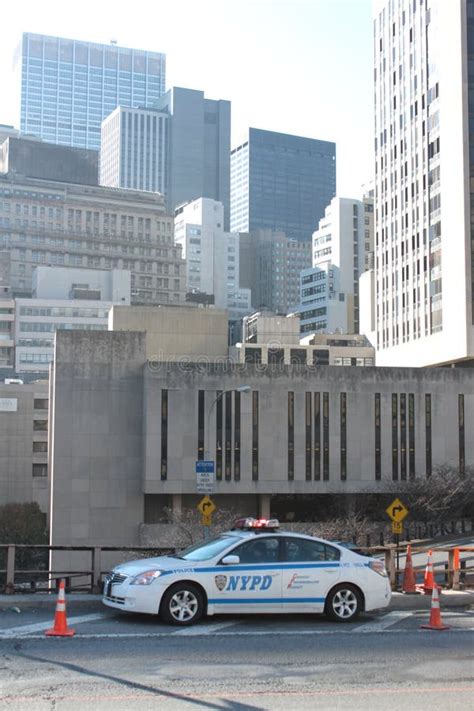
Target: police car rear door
(254,584)
(311,568)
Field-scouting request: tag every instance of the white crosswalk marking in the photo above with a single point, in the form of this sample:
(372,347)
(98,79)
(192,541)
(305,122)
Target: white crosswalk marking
(39,626)
(384,622)
(205,629)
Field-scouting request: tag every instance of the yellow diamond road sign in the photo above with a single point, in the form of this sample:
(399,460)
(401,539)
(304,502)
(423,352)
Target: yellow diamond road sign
(397,527)
(206,506)
(397,511)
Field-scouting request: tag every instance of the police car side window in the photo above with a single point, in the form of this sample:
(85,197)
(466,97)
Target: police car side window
(259,550)
(298,550)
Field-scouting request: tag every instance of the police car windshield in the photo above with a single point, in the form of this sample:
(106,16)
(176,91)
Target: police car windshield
(205,550)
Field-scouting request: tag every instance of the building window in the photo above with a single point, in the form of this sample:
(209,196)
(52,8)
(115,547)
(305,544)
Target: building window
(276,356)
(40,404)
(394,437)
(40,470)
(411,435)
(253,355)
(219,435)
(403,437)
(317,436)
(201,431)
(462,454)
(378,439)
(291,436)
(164,434)
(298,356)
(40,425)
(236,436)
(40,446)
(428,434)
(343,416)
(325,436)
(228,436)
(255,435)
(308,428)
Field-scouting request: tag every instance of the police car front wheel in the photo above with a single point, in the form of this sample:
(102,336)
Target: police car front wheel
(182,604)
(343,603)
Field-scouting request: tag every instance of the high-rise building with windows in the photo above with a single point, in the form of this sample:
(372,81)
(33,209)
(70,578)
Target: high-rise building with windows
(68,86)
(198,148)
(424,188)
(329,297)
(133,149)
(212,255)
(281,182)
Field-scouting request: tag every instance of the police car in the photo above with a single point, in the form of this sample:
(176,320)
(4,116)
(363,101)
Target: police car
(253,568)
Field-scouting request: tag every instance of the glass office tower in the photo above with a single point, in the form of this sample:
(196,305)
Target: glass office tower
(281,182)
(68,87)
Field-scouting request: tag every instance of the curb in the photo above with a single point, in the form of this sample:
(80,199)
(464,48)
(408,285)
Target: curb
(400,601)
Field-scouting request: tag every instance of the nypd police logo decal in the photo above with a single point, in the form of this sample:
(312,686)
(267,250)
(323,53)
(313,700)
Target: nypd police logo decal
(221,581)
(243,582)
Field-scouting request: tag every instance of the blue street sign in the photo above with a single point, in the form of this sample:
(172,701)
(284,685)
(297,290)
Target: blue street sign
(203,466)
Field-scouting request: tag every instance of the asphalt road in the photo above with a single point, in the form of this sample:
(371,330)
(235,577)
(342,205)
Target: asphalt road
(119,661)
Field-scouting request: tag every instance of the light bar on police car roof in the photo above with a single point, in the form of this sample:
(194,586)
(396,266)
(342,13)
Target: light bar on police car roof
(254,523)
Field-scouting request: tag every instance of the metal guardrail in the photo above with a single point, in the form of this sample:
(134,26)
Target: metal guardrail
(455,570)
(51,576)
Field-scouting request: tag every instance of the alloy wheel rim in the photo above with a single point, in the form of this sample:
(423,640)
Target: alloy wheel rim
(183,605)
(344,603)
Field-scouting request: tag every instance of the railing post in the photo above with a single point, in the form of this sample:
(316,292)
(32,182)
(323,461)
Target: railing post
(450,568)
(390,566)
(10,583)
(456,569)
(96,569)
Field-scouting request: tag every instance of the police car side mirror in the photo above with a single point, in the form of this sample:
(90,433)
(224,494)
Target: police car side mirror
(231,560)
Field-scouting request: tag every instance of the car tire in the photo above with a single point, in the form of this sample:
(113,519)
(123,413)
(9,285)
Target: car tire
(344,603)
(182,604)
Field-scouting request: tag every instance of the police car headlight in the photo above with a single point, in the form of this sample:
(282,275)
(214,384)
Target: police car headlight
(146,578)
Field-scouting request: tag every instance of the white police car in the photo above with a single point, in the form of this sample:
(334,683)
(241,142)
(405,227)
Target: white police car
(253,568)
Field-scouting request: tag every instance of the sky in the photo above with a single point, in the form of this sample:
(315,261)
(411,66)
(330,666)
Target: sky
(296,66)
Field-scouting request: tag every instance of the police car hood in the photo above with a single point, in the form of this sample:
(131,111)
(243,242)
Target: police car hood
(161,562)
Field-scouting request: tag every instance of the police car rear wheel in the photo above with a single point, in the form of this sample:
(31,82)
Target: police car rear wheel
(182,605)
(343,603)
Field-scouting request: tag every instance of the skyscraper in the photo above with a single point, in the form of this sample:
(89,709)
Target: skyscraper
(198,148)
(133,149)
(424,201)
(281,182)
(69,86)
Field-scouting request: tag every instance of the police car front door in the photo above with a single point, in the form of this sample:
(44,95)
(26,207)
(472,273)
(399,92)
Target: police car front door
(311,569)
(254,585)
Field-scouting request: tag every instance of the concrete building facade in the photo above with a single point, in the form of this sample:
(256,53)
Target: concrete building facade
(126,436)
(281,182)
(64,298)
(424,194)
(69,86)
(176,333)
(45,222)
(24,444)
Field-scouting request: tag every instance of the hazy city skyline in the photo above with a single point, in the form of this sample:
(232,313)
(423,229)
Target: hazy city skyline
(301,67)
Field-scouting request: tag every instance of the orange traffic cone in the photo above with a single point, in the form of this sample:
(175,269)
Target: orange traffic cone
(409,579)
(435,622)
(60,628)
(429,581)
